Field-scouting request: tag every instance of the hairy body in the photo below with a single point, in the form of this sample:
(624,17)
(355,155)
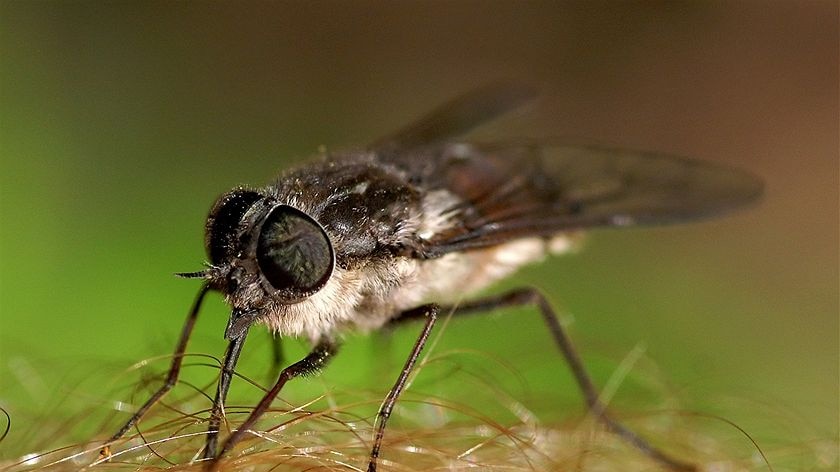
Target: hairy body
(372,212)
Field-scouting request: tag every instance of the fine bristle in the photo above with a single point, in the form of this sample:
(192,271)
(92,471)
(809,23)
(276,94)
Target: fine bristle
(328,429)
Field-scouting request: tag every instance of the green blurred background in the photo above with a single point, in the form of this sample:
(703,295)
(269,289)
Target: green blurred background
(121,122)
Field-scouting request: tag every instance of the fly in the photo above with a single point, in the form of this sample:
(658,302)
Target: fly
(402,230)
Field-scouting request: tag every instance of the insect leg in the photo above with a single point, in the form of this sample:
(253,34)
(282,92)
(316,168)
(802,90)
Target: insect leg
(310,364)
(231,358)
(430,313)
(277,358)
(171,377)
(531,296)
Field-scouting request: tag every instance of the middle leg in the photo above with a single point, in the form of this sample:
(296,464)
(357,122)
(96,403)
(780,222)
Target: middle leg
(430,313)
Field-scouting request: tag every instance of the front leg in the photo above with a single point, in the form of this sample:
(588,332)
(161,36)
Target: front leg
(171,377)
(310,364)
(231,358)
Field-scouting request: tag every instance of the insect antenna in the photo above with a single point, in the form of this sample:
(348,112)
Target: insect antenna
(200,274)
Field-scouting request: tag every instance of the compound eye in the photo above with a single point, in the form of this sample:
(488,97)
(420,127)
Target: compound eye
(223,222)
(294,252)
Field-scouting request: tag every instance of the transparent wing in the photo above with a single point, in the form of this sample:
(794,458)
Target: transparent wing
(508,191)
(457,117)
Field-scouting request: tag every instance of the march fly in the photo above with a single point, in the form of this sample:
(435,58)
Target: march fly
(405,228)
